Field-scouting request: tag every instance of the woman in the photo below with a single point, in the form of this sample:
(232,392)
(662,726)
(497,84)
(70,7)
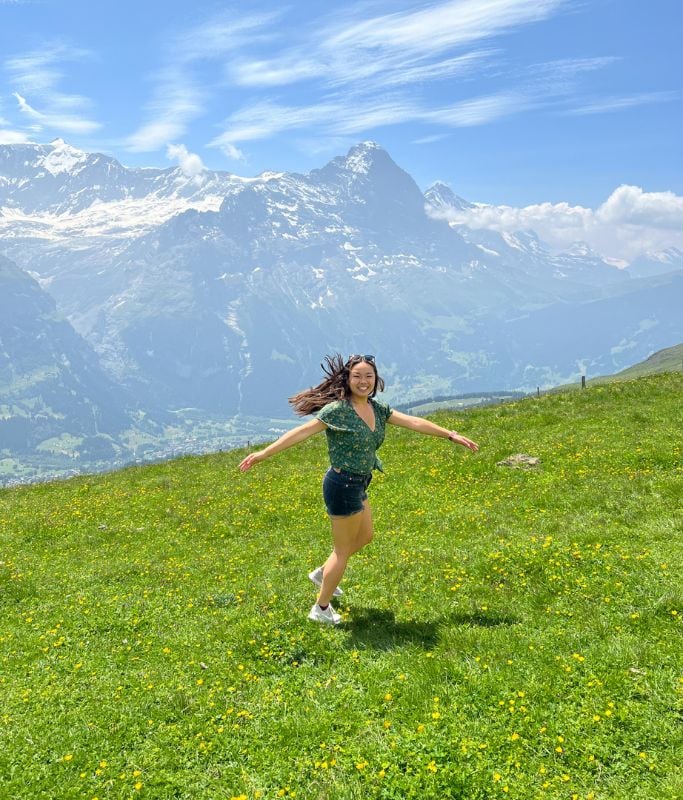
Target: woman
(345,408)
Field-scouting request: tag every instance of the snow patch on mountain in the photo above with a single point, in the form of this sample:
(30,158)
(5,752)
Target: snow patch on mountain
(122,219)
(488,250)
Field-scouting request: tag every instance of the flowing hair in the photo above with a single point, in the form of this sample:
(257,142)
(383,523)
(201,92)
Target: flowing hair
(334,387)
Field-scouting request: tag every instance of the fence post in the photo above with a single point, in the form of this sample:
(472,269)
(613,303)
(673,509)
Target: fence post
(538,391)
(583,381)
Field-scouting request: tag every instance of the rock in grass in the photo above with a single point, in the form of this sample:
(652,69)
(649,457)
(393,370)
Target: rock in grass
(519,461)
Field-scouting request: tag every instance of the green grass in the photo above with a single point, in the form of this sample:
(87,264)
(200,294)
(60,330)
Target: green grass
(508,634)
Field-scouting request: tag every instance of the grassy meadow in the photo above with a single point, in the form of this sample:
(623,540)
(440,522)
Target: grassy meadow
(508,634)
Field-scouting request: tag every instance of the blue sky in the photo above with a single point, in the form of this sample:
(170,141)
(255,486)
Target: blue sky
(513,102)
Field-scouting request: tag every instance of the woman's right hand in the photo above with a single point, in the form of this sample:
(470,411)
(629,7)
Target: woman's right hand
(250,460)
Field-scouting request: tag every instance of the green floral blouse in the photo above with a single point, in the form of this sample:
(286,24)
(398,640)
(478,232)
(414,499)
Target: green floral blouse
(351,443)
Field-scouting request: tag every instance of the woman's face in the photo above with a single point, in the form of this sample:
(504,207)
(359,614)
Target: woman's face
(362,380)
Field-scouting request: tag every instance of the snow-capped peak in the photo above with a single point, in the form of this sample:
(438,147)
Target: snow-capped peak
(62,158)
(440,196)
(361,157)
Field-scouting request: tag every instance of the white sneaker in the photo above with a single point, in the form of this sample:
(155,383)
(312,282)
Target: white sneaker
(317,577)
(329,616)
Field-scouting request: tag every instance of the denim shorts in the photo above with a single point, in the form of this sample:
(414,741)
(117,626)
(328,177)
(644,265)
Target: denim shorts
(344,492)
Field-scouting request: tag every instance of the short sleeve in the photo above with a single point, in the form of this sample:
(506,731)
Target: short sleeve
(384,409)
(331,415)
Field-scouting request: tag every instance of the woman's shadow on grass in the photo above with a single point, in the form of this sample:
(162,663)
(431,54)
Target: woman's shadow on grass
(378,628)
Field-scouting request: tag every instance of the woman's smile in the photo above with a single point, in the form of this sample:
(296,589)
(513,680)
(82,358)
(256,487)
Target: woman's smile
(362,379)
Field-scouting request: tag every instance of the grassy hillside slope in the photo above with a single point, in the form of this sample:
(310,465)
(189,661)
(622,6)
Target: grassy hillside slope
(668,360)
(508,634)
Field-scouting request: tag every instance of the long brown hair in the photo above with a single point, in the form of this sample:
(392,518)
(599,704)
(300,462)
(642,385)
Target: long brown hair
(334,387)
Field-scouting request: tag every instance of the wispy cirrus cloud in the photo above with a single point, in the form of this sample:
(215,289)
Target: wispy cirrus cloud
(393,48)
(439,27)
(349,63)
(621,103)
(263,120)
(179,95)
(177,101)
(36,76)
(224,33)
(346,60)
(348,72)
(55,118)
(481,110)
(287,69)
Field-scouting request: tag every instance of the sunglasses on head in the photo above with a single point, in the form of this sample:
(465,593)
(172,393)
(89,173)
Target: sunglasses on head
(356,357)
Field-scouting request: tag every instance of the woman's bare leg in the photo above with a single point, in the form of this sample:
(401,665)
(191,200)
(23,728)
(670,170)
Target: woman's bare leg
(349,535)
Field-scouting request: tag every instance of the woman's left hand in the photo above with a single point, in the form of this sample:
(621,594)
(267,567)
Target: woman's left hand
(250,460)
(456,438)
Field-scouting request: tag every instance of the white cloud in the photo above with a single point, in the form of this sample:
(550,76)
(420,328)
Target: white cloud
(41,70)
(351,61)
(177,102)
(361,72)
(154,135)
(442,25)
(13,137)
(265,119)
(480,110)
(564,69)
(349,49)
(629,223)
(221,35)
(436,137)
(630,205)
(179,96)
(37,74)
(275,72)
(439,70)
(56,120)
(232,152)
(347,116)
(356,118)
(609,104)
(190,163)
(331,119)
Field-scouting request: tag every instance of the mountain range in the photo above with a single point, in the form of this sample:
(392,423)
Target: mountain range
(134,300)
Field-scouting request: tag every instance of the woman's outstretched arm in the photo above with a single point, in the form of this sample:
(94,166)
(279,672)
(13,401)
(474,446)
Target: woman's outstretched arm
(289,439)
(430,429)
